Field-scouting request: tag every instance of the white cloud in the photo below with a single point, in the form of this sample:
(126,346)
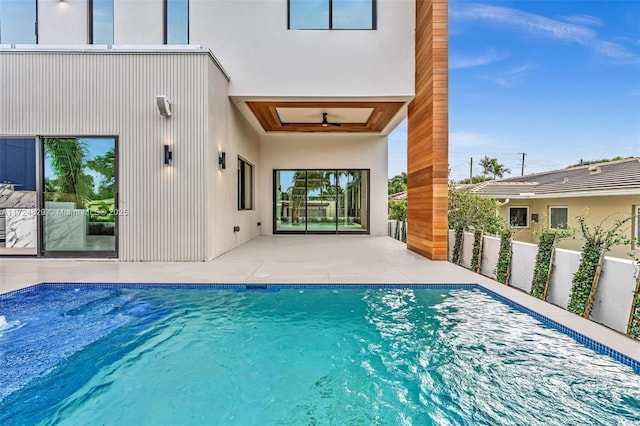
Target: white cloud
(508,77)
(583,20)
(468,61)
(546,27)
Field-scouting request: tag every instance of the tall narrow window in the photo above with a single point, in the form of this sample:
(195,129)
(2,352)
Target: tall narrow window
(101,21)
(245,185)
(332,14)
(18,22)
(176,22)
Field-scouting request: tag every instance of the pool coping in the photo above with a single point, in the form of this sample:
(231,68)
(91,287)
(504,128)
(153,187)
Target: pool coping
(563,321)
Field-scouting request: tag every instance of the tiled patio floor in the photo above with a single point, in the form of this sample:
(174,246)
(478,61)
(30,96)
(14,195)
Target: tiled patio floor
(298,259)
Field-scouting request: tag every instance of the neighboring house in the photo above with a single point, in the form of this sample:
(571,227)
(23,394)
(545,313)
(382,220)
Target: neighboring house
(209,123)
(608,191)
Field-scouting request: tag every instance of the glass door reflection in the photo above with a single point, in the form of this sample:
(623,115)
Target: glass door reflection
(79,196)
(291,200)
(353,200)
(321,200)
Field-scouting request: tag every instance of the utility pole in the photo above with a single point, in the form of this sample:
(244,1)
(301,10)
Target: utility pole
(471,170)
(522,171)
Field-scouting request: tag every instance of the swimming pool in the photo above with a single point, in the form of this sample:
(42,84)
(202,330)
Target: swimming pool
(216,355)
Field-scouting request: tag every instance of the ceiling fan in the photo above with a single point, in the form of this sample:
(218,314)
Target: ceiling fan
(325,121)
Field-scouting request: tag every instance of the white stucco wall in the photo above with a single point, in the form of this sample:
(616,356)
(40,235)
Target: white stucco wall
(229,132)
(614,296)
(490,250)
(320,151)
(262,56)
(565,264)
(467,249)
(63,22)
(522,265)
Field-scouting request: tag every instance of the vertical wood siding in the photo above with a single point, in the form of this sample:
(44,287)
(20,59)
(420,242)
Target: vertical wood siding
(113,94)
(427,146)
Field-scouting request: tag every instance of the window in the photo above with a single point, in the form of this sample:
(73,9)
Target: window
(176,21)
(519,217)
(332,15)
(100,21)
(18,22)
(245,185)
(558,217)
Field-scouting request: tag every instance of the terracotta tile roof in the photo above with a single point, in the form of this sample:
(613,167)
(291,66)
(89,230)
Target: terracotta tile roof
(398,196)
(611,176)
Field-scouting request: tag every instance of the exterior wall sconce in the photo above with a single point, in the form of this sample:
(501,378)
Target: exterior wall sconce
(168,155)
(222,160)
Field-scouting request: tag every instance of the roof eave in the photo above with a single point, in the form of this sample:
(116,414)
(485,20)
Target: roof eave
(575,194)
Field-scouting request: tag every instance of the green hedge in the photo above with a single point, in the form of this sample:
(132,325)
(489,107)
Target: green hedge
(456,256)
(477,250)
(503,269)
(542,266)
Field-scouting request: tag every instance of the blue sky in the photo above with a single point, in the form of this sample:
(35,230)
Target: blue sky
(557,80)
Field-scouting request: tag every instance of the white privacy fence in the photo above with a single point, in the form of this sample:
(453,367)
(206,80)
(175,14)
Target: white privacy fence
(614,295)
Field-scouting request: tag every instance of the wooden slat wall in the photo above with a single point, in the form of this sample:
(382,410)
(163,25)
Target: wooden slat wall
(428,137)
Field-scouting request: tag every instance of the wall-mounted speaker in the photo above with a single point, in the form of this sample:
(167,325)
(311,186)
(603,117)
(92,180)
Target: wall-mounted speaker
(164,105)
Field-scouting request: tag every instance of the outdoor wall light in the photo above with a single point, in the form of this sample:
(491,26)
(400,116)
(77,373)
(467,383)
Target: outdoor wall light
(222,160)
(168,155)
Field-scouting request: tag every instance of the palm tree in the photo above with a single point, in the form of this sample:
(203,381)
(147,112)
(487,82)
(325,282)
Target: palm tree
(398,183)
(485,162)
(498,170)
(68,180)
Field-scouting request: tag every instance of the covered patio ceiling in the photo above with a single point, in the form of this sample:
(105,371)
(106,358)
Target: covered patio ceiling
(309,116)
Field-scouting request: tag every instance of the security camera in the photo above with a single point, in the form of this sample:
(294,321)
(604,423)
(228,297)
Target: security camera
(164,105)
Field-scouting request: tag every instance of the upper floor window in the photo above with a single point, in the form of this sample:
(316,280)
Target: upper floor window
(332,14)
(18,22)
(101,21)
(176,25)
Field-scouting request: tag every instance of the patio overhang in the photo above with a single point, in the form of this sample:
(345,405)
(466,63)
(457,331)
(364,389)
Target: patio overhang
(324,115)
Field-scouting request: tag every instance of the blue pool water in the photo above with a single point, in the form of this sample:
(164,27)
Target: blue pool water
(296,357)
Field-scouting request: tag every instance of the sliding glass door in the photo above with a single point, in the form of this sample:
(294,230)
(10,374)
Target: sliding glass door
(79,197)
(321,201)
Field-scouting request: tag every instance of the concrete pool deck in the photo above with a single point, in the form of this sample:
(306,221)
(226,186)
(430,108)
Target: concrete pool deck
(322,259)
